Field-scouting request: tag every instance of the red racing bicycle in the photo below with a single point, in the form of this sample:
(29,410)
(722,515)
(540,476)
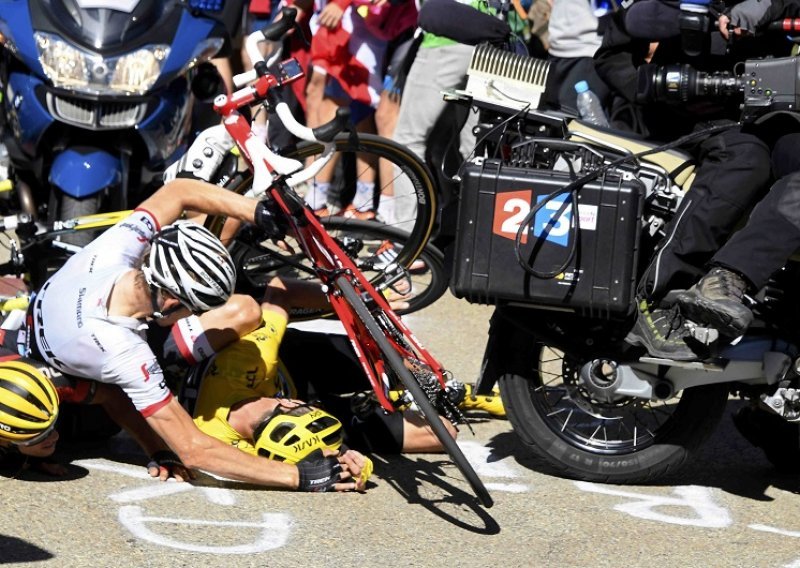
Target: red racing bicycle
(389,353)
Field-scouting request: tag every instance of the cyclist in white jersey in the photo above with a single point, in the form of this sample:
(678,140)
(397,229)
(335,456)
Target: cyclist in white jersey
(89,320)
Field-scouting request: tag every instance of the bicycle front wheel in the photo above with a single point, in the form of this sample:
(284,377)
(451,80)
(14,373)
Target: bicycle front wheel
(373,246)
(392,354)
(403,185)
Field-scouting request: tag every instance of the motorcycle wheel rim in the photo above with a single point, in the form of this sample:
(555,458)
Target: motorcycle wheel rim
(622,427)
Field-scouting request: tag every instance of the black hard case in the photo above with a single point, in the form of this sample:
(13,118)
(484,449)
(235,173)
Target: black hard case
(600,280)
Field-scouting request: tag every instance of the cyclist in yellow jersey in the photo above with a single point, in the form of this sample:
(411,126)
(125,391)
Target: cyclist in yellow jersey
(237,392)
(239,375)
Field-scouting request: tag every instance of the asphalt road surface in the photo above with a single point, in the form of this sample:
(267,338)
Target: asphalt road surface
(727,508)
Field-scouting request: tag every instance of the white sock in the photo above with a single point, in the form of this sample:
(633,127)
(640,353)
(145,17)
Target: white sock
(365,195)
(386,209)
(317,198)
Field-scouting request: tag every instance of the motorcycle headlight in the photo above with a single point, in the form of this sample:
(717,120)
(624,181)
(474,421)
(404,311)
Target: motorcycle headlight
(137,71)
(69,67)
(62,63)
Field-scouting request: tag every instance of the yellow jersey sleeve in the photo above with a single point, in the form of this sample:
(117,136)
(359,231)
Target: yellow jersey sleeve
(248,368)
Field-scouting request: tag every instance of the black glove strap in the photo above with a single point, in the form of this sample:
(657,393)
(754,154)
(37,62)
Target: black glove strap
(165,458)
(319,474)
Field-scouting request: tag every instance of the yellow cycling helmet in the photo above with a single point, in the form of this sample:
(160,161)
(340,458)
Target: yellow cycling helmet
(291,434)
(28,403)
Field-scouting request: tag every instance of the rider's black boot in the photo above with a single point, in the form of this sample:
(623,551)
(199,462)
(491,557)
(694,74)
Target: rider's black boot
(716,300)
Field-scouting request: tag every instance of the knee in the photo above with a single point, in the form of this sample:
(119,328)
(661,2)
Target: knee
(734,144)
(747,152)
(753,151)
(737,167)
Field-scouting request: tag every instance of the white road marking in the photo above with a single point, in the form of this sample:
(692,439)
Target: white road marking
(156,489)
(275,529)
(479,456)
(696,499)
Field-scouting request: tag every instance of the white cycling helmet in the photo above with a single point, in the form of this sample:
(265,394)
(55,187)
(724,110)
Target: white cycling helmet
(193,265)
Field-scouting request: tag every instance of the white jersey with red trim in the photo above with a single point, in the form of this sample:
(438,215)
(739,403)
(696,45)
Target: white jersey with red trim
(75,333)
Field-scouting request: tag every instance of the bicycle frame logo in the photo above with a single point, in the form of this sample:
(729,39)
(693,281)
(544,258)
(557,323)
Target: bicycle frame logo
(511,208)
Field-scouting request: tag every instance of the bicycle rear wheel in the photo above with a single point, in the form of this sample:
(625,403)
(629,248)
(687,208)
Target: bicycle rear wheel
(372,245)
(388,355)
(409,188)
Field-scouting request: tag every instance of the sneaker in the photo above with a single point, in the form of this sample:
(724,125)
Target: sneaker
(322,212)
(716,300)
(662,332)
(385,255)
(489,403)
(350,212)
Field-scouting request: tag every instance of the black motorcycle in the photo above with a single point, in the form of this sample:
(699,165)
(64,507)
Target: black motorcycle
(557,220)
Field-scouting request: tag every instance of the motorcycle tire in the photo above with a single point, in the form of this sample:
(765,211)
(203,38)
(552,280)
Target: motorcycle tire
(627,441)
(70,208)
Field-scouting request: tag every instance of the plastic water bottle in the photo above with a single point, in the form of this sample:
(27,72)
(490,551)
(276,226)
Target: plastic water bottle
(589,107)
(4,162)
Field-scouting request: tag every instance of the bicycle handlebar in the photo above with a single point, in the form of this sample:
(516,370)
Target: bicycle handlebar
(784,25)
(258,153)
(275,31)
(328,131)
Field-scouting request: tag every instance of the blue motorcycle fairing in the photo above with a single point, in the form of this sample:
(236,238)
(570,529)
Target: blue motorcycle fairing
(28,117)
(163,129)
(15,23)
(191,31)
(111,27)
(81,172)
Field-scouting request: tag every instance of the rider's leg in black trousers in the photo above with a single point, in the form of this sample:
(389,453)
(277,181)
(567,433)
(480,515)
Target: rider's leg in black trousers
(733,172)
(771,235)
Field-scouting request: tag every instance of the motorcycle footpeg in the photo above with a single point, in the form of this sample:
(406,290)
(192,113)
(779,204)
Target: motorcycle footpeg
(785,402)
(703,335)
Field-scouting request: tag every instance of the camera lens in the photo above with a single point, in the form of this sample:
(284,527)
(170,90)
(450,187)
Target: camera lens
(683,83)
